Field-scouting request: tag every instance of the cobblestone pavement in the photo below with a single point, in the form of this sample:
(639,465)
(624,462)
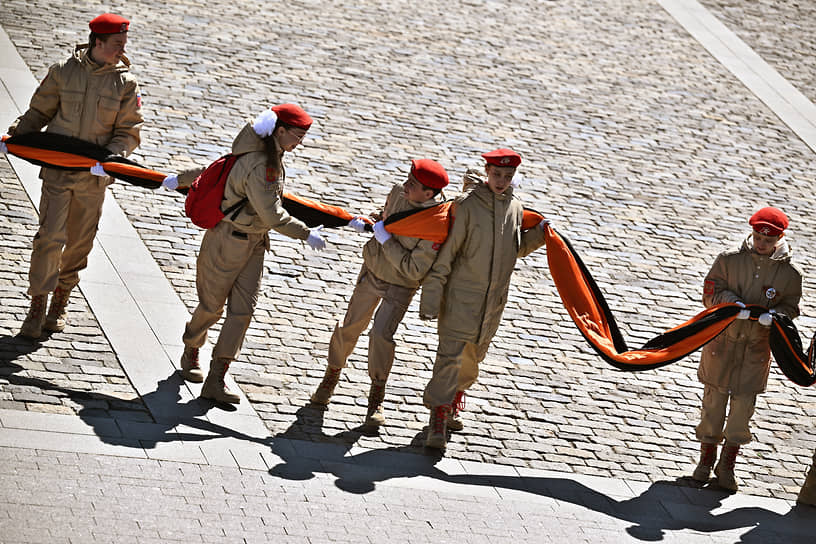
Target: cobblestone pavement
(71,373)
(782,33)
(62,497)
(643,150)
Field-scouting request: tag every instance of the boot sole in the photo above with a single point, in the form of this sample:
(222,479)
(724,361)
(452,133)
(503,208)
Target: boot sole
(195,378)
(722,486)
(220,401)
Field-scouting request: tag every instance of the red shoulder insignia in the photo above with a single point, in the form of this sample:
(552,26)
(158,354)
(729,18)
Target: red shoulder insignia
(271,175)
(708,288)
(436,246)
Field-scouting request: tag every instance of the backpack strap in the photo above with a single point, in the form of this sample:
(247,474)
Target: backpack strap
(236,208)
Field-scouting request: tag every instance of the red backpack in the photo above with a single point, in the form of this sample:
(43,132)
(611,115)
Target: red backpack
(203,202)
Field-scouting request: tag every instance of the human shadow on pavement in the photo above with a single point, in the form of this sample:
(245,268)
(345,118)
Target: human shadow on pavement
(665,506)
(307,430)
(306,449)
(161,428)
(766,527)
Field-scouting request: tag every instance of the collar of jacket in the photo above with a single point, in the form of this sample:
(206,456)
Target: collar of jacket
(82,54)
(427,204)
(782,251)
(484,192)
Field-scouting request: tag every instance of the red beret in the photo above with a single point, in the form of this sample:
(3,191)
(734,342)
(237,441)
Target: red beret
(502,157)
(293,115)
(429,173)
(769,221)
(108,23)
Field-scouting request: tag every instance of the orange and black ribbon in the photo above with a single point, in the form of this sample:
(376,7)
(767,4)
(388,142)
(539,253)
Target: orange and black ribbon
(67,153)
(579,293)
(588,309)
(53,150)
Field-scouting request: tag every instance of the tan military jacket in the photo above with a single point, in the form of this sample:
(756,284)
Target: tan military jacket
(401,260)
(468,284)
(248,178)
(738,360)
(89,101)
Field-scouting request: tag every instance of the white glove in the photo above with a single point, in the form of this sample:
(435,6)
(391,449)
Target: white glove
(170,182)
(380,233)
(3,148)
(97,170)
(316,241)
(740,303)
(357,224)
(765,319)
(543,224)
(744,314)
(516,182)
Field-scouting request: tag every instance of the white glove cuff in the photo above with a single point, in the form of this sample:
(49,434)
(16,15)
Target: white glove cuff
(170,182)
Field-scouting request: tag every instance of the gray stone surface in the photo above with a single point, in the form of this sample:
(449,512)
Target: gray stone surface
(782,33)
(643,150)
(51,496)
(71,373)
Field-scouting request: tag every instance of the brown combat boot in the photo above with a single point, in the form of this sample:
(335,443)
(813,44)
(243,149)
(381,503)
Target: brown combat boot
(190,369)
(326,388)
(724,471)
(807,495)
(57,316)
(33,324)
(214,387)
(455,423)
(437,427)
(375,416)
(708,454)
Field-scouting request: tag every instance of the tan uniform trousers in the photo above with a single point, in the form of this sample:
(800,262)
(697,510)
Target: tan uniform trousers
(393,302)
(455,369)
(70,207)
(710,429)
(228,269)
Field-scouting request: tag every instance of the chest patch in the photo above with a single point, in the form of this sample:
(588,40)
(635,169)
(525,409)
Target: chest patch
(770,292)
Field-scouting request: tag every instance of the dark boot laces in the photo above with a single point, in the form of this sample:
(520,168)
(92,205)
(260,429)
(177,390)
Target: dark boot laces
(376,394)
(729,457)
(194,358)
(37,305)
(709,452)
(60,298)
(331,378)
(458,403)
(440,416)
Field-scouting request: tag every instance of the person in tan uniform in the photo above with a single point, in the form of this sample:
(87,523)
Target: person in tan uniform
(91,96)
(734,366)
(393,267)
(230,262)
(468,284)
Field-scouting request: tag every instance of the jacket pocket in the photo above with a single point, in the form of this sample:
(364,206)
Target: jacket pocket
(71,106)
(462,311)
(107,109)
